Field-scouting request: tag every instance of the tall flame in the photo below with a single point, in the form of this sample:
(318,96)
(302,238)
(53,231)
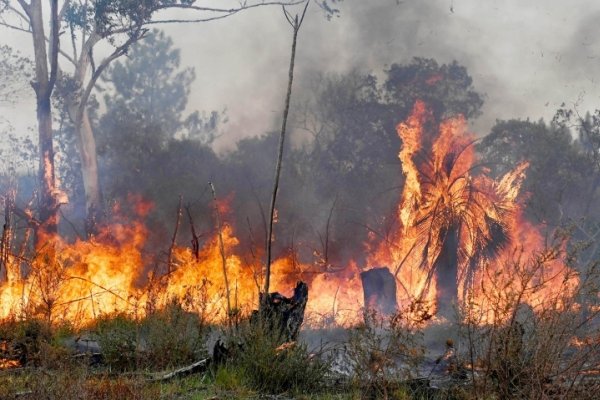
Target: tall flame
(450,211)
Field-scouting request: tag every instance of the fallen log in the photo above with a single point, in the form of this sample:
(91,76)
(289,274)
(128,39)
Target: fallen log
(195,368)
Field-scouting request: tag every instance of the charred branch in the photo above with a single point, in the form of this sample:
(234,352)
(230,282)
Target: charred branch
(295,23)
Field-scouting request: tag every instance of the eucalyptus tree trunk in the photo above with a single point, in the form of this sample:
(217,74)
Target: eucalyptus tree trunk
(43,86)
(84,134)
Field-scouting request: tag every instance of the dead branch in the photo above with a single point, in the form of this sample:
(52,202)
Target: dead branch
(195,237)
(222,250)
(174,238)
(295,23)
(5,244)
(198,366)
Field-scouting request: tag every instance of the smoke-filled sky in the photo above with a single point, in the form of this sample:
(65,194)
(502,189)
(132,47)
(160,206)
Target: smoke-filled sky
(527,57)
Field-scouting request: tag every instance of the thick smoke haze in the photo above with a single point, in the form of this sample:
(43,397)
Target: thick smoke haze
(527,57)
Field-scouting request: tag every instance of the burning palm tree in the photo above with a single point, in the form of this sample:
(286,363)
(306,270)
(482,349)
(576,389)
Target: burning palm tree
(451,220)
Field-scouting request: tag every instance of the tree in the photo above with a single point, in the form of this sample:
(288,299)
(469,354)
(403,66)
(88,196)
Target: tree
(46,72)
(295,23)
(447,89)
(118,23)
(144,126)
(150,88)
(558,174)
(353,152)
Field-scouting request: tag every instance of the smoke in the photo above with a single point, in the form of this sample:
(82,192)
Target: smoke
(527,58)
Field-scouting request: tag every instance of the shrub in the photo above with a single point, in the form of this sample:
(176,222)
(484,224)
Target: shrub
(384,352)
(539,350)
(33,342)
(117,336)
(270,366)
(172,336)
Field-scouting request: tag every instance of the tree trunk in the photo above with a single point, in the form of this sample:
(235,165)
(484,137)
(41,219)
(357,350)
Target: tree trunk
(86,142)
(43,86)
(47,207)
(446,269)
(86,146)
(283,315)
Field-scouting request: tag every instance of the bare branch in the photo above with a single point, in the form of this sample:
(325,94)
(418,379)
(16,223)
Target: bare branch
(25,6)
(118,52)
(174,237)
(2,23)
(286,109)
(230,10)
(222,251)
(224,12)
(303,14)
(23,17)
(186,21)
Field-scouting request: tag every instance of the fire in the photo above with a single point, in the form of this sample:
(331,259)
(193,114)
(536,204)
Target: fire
(455,225)
(5,364)
(457,229)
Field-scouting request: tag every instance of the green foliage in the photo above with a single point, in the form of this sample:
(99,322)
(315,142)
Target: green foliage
(172,337)
(108,17)
(151,92)
(117,335)
(559,173)
(268,366)
(446,89)
(166,338)
(229,378)
(34,342)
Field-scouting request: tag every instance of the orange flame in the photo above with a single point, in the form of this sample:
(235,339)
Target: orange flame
(80,281)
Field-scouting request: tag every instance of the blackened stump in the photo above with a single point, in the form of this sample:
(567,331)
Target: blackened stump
(379,289)
(285,313)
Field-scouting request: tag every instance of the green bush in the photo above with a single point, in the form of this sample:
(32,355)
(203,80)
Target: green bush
(172,336)
(34,342)
(270,366)
(117,337)
(229,378)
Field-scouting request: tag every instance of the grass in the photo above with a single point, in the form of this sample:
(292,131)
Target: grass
(79,384)
(524,353)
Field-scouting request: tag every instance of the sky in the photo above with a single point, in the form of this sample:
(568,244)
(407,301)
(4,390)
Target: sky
(527,57)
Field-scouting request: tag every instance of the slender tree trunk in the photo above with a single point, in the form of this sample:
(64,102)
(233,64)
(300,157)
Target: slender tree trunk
(222,251)
(86,142)
(43,86)
(48,208)
(295,23)
(86,146)
(5,244)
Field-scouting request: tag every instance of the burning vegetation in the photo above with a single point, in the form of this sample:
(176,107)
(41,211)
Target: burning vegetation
(461,254)
(457,228)
(425,261)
